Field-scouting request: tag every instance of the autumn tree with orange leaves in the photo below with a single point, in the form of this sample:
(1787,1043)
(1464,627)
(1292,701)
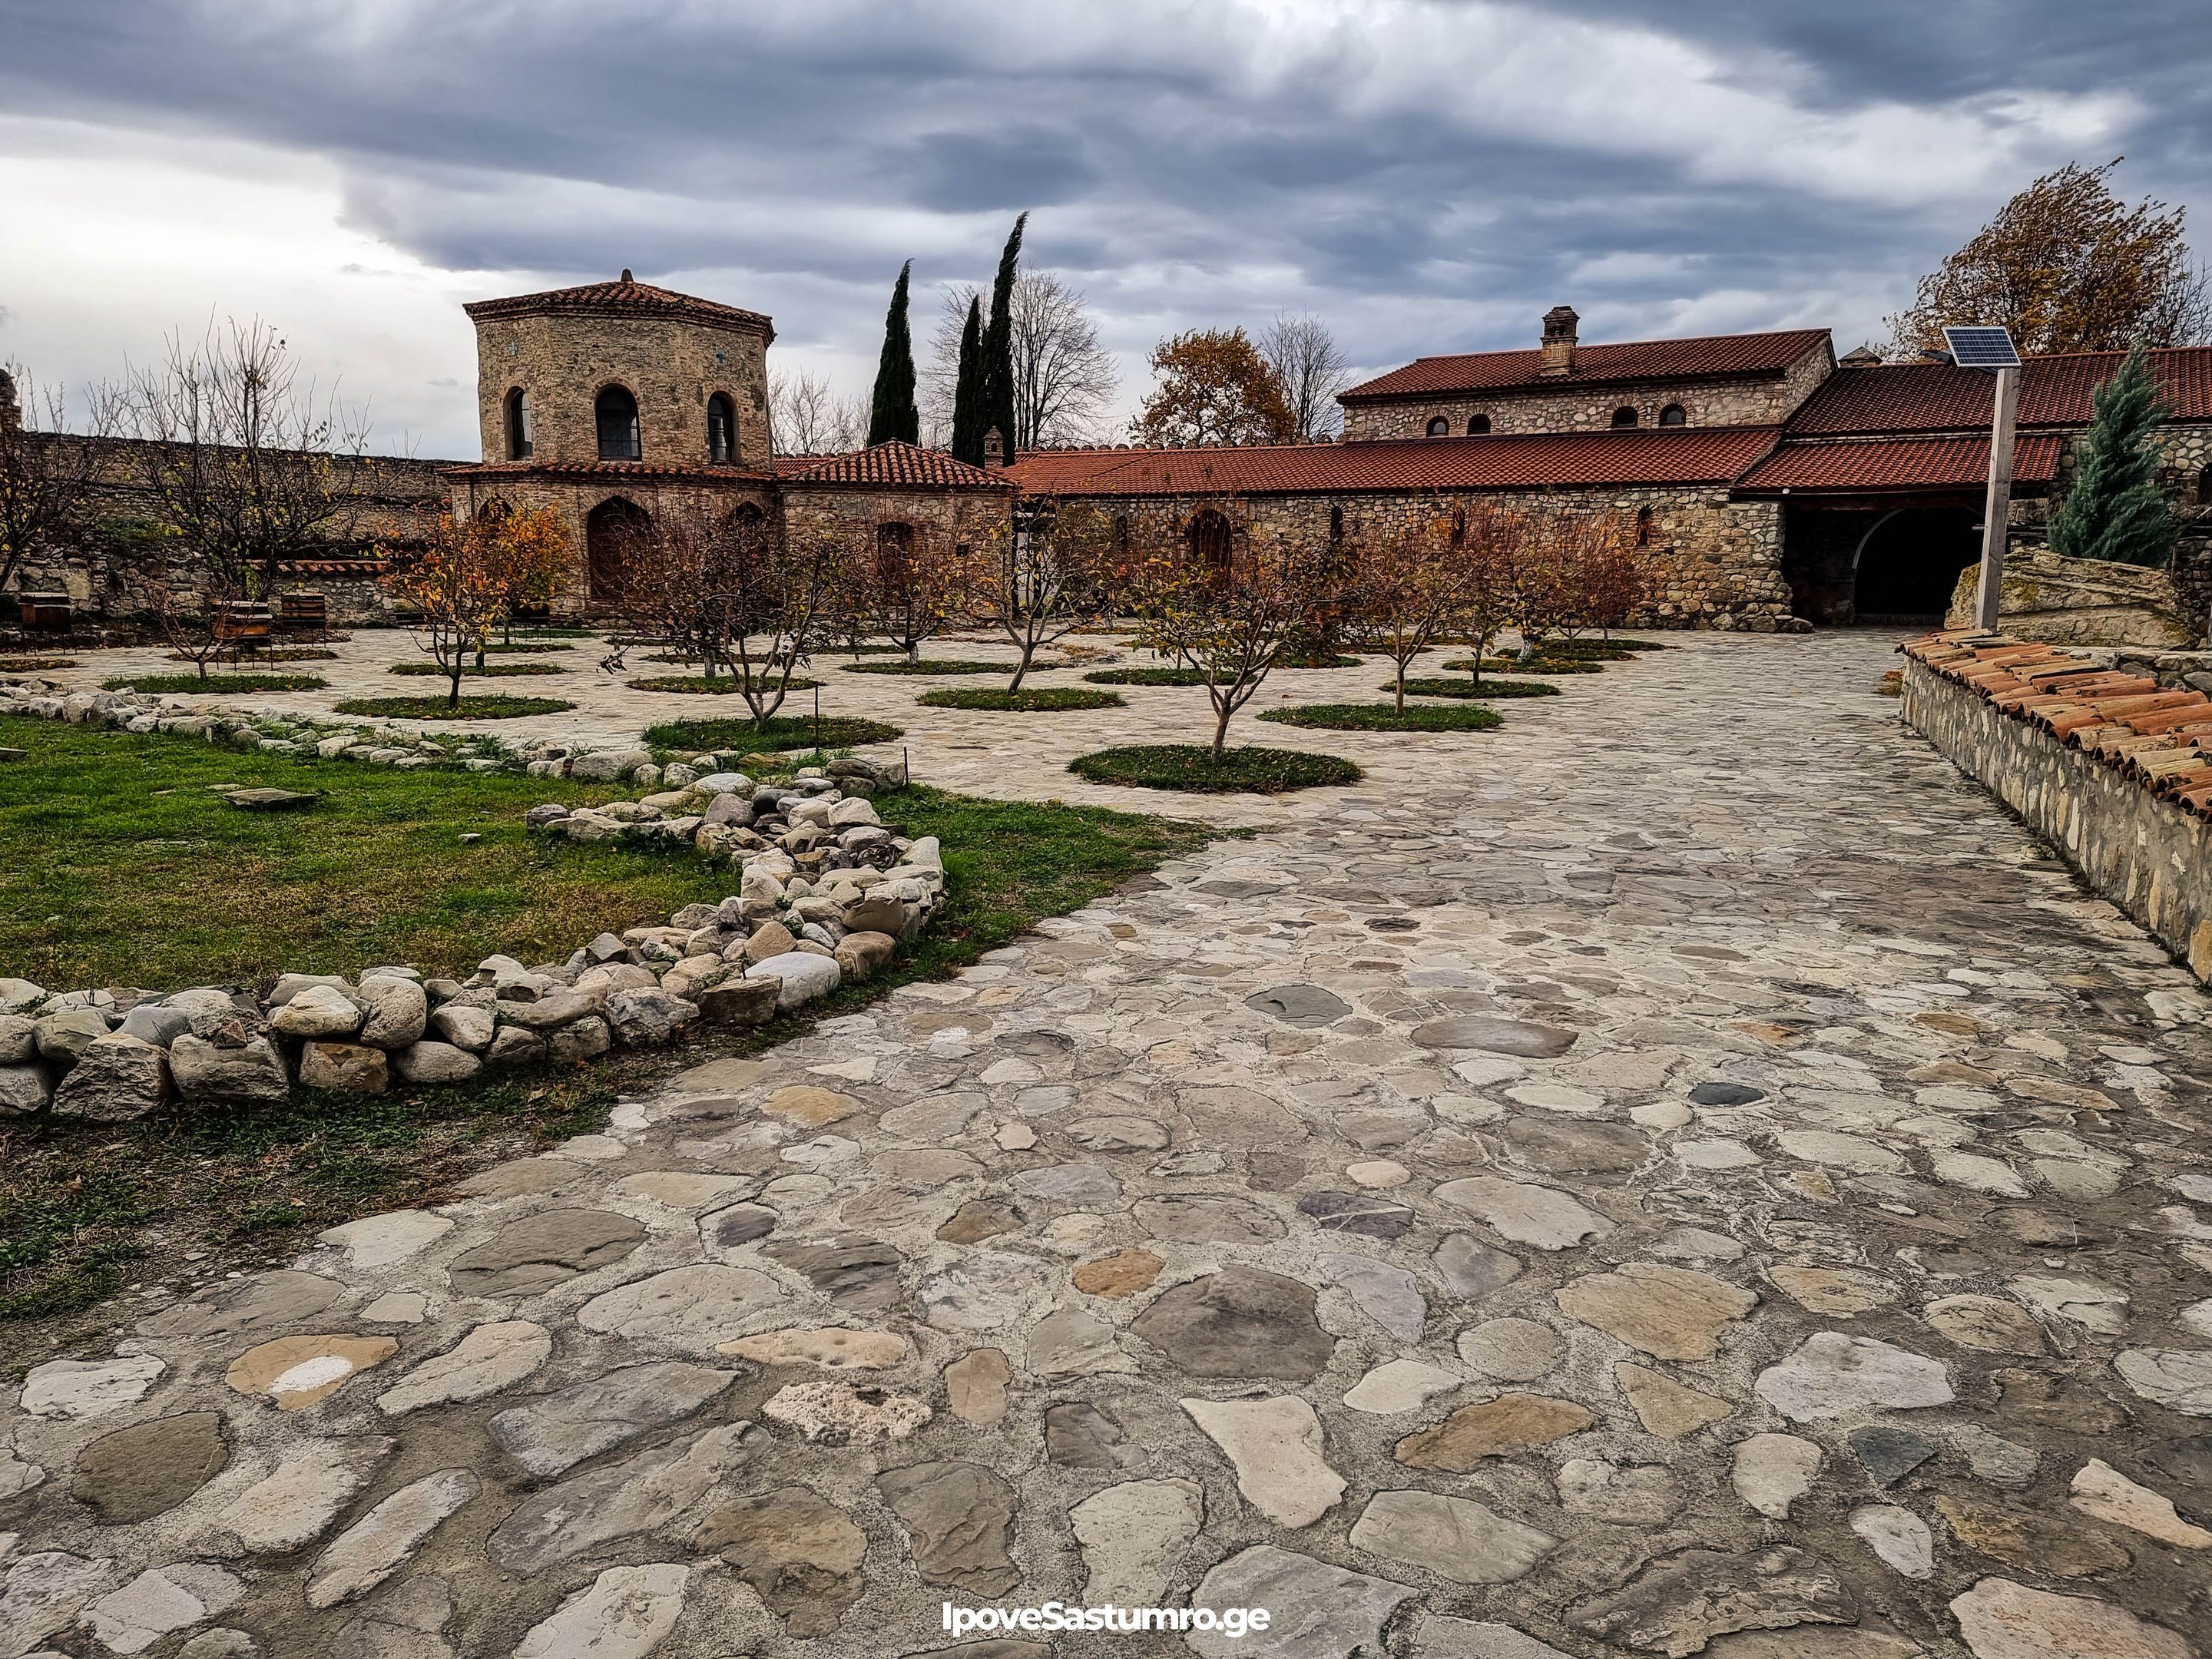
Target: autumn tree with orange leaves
(2067,266)
(460,582)
(1427,578)
(1214,387)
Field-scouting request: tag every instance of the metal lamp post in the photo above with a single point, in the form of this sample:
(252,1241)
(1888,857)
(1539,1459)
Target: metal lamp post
(1991,348)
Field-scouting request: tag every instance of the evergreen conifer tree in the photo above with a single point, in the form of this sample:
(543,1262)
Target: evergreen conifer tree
(967,422)
(892,414)
(2116,509)
(999,345)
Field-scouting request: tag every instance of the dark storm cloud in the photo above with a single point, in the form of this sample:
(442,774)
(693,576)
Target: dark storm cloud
(1429,176)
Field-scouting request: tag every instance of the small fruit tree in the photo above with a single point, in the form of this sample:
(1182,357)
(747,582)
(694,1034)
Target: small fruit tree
(1215,593)
(1042,576)
(459,581)
(1416,581)
(902,579)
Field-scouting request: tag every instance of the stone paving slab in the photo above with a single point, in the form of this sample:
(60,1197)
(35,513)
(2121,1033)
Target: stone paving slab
(1682,1174)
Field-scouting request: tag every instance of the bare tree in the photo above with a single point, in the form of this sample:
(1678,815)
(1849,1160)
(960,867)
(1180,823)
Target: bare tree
(1312,370)
(47,475)
(1045,573)
(246,468)
(1065,381)
(807,418)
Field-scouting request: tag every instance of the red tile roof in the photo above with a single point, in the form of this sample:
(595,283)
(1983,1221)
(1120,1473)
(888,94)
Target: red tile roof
(1669,455)
(1930,397)
(1712,356)
(1867,466)
(625,298)
(895,465)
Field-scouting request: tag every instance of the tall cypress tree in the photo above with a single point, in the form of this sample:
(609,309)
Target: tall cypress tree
(967,422)
(2117,509)
(999,344)
(893,415)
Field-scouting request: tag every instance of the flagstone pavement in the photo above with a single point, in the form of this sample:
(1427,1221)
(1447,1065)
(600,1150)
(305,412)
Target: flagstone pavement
(1684,1173)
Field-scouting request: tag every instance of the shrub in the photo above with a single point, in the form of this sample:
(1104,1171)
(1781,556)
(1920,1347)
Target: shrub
(1384,717)
(1194,768)
(783,731)
(1036,700)
(212,683)
(487,705)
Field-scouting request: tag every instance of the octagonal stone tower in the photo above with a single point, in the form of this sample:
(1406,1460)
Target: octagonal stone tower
(622,371)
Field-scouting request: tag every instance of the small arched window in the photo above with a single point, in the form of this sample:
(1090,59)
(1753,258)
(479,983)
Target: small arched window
(1209,538)
(1335,529)
(1643,527)
(1673,415)
(1438,426)
(1477,425)
(722,430)
(1623,417)
(895,557)
(616,411)
(1459,527)
(518,425)
(1120,532)
(2204,488)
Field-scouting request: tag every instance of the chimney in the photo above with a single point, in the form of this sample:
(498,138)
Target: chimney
(995,447)
(1558,340)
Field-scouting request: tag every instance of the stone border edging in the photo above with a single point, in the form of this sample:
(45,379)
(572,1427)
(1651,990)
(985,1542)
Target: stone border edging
(2101,764)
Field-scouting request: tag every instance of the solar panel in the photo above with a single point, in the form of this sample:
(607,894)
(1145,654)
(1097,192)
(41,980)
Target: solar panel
(1982,348)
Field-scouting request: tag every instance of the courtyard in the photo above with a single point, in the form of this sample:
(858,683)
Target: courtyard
(1680,1172)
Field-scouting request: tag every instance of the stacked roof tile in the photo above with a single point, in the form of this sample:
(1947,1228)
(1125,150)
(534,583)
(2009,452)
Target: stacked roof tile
(1871,465)
(1718,357)
(2160,737)
(626,298)
(895,465)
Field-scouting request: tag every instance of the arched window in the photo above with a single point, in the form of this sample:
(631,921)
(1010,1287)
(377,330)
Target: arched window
(1673,415)
(1335,529)
(1459,527)
(1477,425)
(1209,538)
(2204,488)
(518,425)
(1438,426)
(616,410)
(722,430)
(1623,417)
(1643,527)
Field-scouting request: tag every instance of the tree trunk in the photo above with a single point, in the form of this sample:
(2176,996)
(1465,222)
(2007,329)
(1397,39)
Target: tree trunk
(453,692)
(1021,668)
(1401,686)
(1220,730)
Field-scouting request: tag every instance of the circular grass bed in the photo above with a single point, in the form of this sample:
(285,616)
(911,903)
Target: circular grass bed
(1309,659)
(1384,717)
(938,666)
(783,732)
(1468,688)
(215,683)
(33,664)
(534,647)
(278,653)
(1534,665)
(490,706)
(1191,767)
(1147,676)
(553,632)
(1621,648)
(722,685)
(1035,700)
(489,670)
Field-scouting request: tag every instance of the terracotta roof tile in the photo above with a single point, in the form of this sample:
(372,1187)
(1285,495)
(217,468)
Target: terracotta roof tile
(626,298)
(657,470)
(1707,357)
(1930,397)
(895,465)
(1873,465)
(1663,455)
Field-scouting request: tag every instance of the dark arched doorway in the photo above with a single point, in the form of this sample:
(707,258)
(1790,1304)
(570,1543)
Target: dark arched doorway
(1209,538)
(1909,562)
(613,535)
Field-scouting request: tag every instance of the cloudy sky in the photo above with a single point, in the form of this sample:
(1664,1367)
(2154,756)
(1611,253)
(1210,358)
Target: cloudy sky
(1427,175)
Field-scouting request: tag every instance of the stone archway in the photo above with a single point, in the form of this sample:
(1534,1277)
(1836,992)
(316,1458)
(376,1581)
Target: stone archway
(613,533)
(1909,561)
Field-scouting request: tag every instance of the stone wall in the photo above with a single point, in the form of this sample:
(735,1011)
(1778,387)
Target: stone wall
(2148,854)
(1715,562)
(672,366)
(973,516)
(1566,406)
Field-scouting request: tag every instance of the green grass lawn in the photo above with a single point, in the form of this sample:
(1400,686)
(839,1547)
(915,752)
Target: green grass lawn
(1031,700)
(121,867)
